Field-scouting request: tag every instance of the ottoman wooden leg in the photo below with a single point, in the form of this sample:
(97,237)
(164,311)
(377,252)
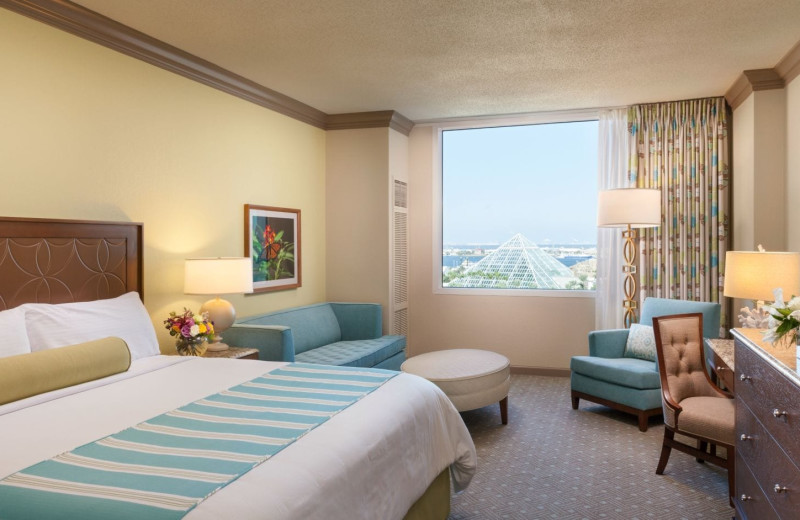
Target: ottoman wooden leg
(504,410)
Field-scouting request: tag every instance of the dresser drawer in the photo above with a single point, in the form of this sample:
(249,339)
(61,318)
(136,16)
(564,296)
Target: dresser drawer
(749,499)
(765,391)
(769,466)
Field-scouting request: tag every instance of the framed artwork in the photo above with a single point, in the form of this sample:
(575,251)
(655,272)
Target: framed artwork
(272,242)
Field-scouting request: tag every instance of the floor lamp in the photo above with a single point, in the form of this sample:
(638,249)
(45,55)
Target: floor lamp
(629,208)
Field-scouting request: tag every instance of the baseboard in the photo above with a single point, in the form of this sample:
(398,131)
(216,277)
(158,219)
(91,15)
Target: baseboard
(540,371)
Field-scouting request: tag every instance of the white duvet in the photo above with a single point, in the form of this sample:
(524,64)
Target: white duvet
(371,461)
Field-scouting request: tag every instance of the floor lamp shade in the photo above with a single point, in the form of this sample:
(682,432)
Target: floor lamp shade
(218,276)
(634,207)
(754,275)
(629,208)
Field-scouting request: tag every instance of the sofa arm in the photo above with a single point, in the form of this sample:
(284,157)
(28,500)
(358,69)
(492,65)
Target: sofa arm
(274,342)
(359,320)
(608,343)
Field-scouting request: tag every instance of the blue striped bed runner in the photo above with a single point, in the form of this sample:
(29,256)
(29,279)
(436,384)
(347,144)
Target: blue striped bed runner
(164,467)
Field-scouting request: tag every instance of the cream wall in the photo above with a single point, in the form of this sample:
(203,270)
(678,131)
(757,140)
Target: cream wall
(541,332)
(88,133)
(357,226)
(793,165)
(743,178)
(759,171)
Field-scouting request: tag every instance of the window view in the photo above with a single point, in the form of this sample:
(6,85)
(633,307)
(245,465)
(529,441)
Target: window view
(519,207)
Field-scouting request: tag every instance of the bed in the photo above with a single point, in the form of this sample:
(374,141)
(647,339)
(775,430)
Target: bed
(392,454)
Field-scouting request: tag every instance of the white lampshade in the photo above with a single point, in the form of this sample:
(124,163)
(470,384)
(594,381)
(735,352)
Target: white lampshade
(218,276)
(637,207)
(753,275)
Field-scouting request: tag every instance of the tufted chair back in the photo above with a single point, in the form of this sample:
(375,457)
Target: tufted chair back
(679,347)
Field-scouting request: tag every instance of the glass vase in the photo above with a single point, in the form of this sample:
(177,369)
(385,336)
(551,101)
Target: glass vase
(191,346)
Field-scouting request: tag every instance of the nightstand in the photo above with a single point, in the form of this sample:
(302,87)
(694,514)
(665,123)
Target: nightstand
(234,353)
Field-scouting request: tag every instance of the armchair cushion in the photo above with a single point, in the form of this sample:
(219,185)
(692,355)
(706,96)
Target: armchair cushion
(709,417)
(628,372)
(641,343)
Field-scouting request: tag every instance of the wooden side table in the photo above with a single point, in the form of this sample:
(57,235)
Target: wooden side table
(234,353)
(722,362)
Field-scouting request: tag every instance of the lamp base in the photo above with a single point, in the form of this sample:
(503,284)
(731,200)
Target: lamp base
(217,345)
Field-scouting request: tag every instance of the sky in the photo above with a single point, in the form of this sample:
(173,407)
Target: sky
(538,180)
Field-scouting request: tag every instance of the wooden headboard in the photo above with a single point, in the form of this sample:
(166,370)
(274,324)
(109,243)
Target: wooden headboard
(59,261)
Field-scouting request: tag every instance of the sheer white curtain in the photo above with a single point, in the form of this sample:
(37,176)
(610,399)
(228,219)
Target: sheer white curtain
(612,172)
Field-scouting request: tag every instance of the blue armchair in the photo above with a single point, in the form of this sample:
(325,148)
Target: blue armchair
(629,384)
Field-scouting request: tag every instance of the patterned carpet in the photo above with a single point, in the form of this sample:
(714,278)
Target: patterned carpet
(551,461)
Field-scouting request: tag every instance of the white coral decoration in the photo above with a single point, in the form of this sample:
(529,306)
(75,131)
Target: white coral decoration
(754,318)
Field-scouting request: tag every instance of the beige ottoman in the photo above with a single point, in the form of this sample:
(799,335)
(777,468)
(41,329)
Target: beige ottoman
(470,378)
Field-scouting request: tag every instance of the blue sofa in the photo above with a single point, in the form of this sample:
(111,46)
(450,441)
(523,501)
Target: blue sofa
(344,334)
(629,384)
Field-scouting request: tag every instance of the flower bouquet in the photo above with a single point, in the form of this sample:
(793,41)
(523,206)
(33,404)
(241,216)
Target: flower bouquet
(784,319)
(191,330)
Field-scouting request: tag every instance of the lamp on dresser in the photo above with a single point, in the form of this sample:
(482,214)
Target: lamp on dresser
(629,208)
(218,276)
(754,275)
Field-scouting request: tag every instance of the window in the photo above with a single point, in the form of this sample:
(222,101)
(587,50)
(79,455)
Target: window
(519,207)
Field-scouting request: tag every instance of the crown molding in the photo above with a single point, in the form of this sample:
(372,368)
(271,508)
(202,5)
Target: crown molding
(378,119)
(78,20)
(90,25)
(752,81)
(789,66)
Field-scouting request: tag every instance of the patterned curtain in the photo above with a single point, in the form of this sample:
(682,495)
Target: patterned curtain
(681,148)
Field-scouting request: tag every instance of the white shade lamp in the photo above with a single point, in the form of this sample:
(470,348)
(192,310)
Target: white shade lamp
(629,208)
(218,276)
(754,275)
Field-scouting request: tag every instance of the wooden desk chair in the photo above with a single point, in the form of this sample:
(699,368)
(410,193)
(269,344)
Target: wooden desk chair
(693,406)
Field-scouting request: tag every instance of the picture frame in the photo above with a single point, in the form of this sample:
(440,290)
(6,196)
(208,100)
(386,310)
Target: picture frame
(272,242)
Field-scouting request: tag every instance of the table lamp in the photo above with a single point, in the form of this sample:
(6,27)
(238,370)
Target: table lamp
(754,275)
(629,208)
(218,276)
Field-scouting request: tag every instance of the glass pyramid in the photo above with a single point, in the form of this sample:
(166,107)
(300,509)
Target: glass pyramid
(517,264)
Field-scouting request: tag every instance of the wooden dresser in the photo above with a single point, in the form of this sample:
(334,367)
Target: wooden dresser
(767,429)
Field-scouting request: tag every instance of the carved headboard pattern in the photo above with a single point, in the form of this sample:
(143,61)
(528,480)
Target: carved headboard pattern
(58,261)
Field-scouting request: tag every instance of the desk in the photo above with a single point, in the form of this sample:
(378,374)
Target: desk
(721,361)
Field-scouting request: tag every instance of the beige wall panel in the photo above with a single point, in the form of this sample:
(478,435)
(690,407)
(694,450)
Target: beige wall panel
(88,133)
(530,331)
(793,165)
(770,169)
(357,195)
(743,176)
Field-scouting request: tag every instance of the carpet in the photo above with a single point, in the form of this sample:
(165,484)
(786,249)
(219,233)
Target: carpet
(551,461)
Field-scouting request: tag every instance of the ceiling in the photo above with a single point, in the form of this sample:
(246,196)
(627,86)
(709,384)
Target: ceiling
(432,59)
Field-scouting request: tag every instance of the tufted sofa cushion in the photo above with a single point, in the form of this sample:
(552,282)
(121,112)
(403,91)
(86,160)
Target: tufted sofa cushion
(359,353)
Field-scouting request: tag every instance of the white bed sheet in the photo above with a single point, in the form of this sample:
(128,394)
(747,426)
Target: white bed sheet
(373,460)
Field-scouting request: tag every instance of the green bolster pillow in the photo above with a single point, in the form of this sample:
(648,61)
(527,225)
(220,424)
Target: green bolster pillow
(35,373)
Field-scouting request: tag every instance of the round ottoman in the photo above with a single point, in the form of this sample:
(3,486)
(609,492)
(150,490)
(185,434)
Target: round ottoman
(470,378)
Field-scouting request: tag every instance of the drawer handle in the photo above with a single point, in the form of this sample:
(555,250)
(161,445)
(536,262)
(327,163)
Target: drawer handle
(780,489)
(745,498)
(720,369)
(745,378)
(746,437)
(779,413)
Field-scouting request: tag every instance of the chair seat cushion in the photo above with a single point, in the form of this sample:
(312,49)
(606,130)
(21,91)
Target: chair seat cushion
(360,353)
(630,372)
(710,417)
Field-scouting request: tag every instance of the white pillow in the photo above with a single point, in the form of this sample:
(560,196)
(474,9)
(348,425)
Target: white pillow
(60,325)
(13,338)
